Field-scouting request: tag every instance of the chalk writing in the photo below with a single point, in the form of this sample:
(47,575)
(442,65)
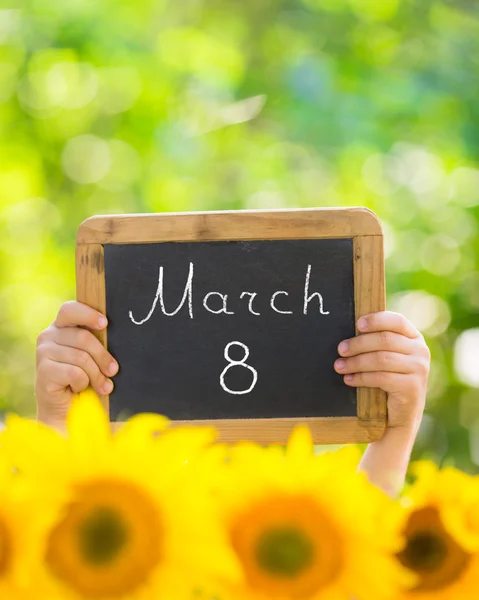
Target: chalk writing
(237,363)
(281,312)
(188,293)
(223,308)
(307,299)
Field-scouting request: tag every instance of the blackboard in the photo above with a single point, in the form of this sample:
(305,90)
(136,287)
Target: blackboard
(226,338)
(286,304)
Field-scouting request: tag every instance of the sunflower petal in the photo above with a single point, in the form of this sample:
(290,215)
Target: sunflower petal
(183,444)
(88,425)
(346,458)
(142,426)
(30,446)
(300,445)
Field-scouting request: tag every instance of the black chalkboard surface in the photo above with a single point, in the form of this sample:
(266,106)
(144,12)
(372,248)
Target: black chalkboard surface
(233,318)
(221,330)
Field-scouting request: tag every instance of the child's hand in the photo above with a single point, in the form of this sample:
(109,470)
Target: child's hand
(69,359)
(391,354)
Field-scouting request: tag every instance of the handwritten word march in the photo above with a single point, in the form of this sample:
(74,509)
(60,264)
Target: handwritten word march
(217,302)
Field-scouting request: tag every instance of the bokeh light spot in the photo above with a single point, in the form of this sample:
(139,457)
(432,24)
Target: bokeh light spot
(430,314)
(73,84)
(466,357)
(8,80)
(465,183)
(440,254)
(86,159)
(125,166)
(119,88)
(415,168)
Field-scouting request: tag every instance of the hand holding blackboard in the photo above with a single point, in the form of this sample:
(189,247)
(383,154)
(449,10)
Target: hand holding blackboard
(235,317)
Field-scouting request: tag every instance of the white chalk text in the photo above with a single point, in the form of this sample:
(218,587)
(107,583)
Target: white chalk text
(217,302)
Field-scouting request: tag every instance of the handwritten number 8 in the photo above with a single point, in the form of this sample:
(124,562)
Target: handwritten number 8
(237,363)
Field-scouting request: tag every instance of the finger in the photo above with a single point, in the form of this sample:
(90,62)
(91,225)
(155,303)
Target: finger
(375,342)
(76,337)
(80,358)
(390,362)
(389,382)
(60,376)
(387,321)
(75,313)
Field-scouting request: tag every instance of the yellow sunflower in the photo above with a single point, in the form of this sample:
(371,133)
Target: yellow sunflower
(307,527)
(135,520)
(441,527)
(23,522)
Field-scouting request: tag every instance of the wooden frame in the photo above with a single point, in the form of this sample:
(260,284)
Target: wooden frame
(359,224)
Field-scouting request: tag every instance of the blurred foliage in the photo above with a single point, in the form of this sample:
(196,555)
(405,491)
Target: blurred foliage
(120,106)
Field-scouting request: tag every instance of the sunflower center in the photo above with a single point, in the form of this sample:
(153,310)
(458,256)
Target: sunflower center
(108,541)
(288,546)
(284,551)
(431,552)
(425,550)
(102,535)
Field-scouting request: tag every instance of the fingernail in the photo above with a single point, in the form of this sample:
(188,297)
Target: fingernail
(362,323)
(102,322)
(343,347)
(107,387)
(112,368)
(340,364)
(348,378)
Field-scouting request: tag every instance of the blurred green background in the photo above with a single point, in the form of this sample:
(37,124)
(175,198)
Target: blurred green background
(121,106)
